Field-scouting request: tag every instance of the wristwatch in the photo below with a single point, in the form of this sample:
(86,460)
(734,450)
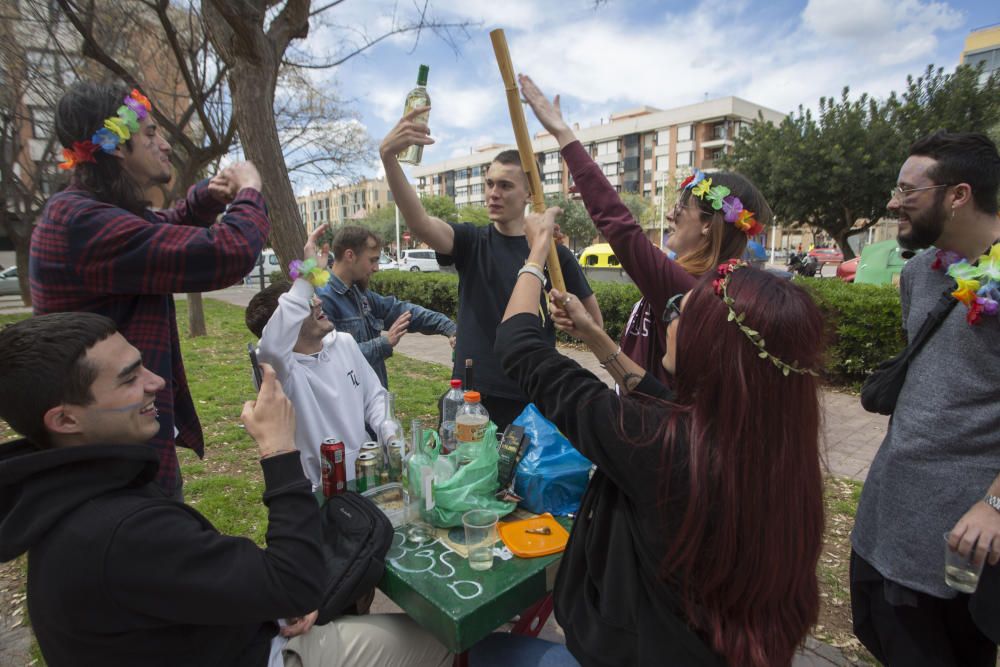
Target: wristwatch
(992,501)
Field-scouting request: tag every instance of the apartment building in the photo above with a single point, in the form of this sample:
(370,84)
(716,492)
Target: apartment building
(982,45)
(639,150)
(341,205)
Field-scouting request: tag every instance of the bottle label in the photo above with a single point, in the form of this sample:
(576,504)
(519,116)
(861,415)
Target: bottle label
(470,429)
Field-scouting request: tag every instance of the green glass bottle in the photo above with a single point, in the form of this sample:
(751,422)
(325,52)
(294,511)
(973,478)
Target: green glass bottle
(417,97)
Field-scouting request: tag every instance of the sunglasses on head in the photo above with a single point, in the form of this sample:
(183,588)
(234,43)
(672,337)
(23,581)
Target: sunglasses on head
(673,308)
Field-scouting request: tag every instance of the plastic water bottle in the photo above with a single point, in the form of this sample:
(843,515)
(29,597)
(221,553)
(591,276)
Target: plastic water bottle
(471,419)
(452,401)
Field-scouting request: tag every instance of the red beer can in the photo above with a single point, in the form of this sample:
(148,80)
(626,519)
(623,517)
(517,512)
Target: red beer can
(331,456)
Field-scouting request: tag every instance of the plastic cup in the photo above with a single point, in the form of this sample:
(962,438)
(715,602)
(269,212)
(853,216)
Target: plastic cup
(960,573)
(480,536)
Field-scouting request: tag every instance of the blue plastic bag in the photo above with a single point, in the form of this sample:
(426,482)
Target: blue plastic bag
(552,475)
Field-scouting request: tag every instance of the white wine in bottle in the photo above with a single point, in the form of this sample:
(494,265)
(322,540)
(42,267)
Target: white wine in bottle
(417,97)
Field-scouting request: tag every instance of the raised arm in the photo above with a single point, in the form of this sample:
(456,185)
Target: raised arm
(207,199)
(656,276)
(435,232)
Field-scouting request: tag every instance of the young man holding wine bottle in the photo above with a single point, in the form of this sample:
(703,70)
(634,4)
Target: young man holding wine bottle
(487,259)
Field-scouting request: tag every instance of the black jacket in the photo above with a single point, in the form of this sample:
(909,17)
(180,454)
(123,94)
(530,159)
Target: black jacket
(118,574)
(609,598)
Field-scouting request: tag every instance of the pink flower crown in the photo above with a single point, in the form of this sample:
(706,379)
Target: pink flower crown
(721,199)
(117,129)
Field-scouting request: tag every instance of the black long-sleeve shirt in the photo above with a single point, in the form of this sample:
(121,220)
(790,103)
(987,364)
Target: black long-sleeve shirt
(118,574)
(609,598)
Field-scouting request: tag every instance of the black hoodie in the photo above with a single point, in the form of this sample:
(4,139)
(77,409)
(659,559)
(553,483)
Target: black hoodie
(118,574)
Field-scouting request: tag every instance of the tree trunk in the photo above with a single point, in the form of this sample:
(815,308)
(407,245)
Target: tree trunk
(253,105)
(22,248)
(196,316)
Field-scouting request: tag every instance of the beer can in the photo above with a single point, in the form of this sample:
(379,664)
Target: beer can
(372,447)
(366,472)
(331,456)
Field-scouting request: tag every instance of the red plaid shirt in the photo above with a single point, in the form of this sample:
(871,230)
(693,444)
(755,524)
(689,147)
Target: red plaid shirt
(90,256)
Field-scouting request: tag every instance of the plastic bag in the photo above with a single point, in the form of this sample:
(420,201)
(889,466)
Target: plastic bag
(473,486)
(552,475)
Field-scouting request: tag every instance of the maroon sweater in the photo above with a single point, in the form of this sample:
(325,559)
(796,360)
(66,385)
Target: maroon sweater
(656,276)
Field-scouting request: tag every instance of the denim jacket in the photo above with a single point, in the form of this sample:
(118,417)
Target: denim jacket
(366,314)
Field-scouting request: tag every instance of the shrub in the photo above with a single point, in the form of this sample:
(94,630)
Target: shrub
(864,326)
(863,321)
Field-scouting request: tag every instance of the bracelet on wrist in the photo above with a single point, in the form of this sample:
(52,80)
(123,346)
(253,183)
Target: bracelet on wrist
(532,270)
(614,355)
(992,501)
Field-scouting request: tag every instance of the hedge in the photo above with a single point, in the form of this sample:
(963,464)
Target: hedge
(862,321)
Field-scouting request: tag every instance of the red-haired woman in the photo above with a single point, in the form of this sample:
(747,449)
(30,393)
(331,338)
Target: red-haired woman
(704,232)
(698,537)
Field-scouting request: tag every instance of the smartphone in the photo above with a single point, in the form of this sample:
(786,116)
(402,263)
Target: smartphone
(258,375)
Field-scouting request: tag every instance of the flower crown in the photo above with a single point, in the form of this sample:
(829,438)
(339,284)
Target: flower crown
(721,200)
(117,129)
(721,283)
(977,285)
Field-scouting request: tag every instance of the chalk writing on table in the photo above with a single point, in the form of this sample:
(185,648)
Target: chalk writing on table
(424,559)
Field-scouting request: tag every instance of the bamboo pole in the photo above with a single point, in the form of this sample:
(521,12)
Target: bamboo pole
(524,145)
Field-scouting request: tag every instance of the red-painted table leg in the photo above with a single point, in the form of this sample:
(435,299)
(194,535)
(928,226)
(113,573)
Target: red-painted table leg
(533,619)
(461,659)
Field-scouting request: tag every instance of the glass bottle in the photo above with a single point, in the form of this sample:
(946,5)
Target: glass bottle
(390,437)
(418,495)
(417,97)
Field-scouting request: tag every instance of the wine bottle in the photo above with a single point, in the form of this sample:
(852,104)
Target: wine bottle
(417,97)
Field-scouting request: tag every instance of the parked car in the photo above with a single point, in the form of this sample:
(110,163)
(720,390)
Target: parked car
(270,262)
(419,260)
(599,255)
(386,263)
(881,263)
(826,255)
(847,270)
(8,282)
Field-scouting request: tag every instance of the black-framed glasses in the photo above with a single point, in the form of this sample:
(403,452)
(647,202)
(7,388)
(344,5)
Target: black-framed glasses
(902,194)
(673,308)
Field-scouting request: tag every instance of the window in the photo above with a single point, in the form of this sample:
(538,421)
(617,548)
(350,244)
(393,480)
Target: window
(613,261)
(476,172)
(591,260)
(476,189)
(684,158)
(610,169)
(663,138)
(462,173)
(42,122)
(553,178)
(375,195)
(461,191)
(719,132)
(607,148)
(684,133)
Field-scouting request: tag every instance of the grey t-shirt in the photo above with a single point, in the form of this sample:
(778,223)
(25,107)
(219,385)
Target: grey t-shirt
(942,450)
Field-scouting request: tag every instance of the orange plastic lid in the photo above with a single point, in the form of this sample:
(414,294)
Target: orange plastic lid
(472,396)
(532,545)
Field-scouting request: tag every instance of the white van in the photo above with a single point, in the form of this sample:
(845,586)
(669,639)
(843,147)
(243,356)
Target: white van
(419,260)
(270,262)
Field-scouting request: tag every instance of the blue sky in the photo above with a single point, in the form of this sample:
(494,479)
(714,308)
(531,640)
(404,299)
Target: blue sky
(624,54)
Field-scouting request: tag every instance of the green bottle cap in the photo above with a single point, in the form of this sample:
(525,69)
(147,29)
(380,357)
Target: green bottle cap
(422,75)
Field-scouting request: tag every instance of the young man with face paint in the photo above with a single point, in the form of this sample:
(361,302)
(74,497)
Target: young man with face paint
(937,473)
(120,574)
(100,248)
(487,259)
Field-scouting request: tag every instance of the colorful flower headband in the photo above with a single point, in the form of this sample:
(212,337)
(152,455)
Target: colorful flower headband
(725,273)
(308,270)
(721,200)
(117,129)
(978,285)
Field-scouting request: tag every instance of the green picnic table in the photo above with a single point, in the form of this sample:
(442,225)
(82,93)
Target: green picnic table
(459,605)
(436,587)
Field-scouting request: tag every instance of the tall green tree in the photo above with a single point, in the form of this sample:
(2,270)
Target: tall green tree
(834,171)
(477,215)
(574,220)
(440,206)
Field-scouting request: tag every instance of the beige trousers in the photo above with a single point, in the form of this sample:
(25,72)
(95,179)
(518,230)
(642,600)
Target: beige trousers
(376,640)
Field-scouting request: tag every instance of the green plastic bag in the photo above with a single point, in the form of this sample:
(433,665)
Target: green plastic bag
(473,486)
